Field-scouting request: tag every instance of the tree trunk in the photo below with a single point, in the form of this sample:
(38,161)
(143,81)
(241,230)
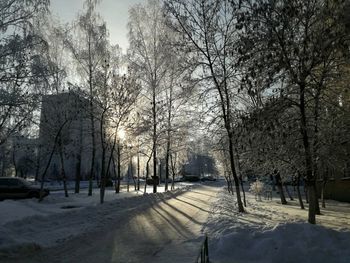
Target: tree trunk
(310,180)
(147,173)
(63,172)
(167,157)
(37,168)
(273,183)
(14,161)
(45,171)
(299,194)
(138,171)
(91,175)
(324,182)
(128,179)
(172,170)
(103,160)
(117,186)
(4,166)
(240,177)
(41,196)
(316,145)
(288,193)
(160,172)
(78,164)
(233,170)
(103,176)
(312,203)
(154,140)
(243,191)
(114,170)
(92,121)
(317,205)
(231,184)
(111,160)
(168,144)
(77,174)
(132,175)
(280,188)
(306,193)
(228,183)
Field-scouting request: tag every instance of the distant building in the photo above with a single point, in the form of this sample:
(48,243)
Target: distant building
(65,125)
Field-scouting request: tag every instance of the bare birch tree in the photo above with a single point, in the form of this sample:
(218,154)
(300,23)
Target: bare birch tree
(148,58)
(208,30)
(88,49)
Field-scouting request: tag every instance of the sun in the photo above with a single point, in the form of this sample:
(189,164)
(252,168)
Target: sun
(121,134)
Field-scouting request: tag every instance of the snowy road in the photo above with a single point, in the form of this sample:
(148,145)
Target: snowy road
(167,230)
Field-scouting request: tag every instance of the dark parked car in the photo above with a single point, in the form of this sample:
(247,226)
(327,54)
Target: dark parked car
(150,181)
(191,177)
(16,188)
(208,178)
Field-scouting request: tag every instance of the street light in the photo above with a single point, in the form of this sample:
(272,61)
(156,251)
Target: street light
(121,134)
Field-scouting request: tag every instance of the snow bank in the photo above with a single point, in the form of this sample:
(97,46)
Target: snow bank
(56,202)
(269,232)
(291,242)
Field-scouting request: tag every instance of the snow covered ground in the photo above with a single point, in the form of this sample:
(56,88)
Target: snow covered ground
(270,232)
(56,202)
(267,232)
(26,224)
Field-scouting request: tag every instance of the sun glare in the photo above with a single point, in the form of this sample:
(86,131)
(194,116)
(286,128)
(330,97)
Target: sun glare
(121,134)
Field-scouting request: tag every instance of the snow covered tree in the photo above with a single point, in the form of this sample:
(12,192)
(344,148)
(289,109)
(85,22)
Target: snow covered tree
(148,57)
(117,102)
(303,54)
(88,48)
(19,63)
(208,33)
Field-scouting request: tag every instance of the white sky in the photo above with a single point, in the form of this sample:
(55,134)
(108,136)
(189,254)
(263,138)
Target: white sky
(114,12)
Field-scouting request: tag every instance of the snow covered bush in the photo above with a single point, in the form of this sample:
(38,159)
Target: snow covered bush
(257,188)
